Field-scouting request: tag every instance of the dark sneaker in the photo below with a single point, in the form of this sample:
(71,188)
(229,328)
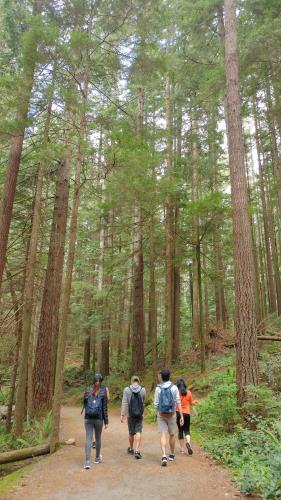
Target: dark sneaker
(172,457)
(137,455)
(164,461)
(87,465)
(189,449)
(98,460)
(130,451)
(94,445)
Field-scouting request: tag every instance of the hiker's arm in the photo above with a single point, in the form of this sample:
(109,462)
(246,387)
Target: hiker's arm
(191,400)
(107,394)
(143,394)
(124,405)
(105,412)
(178,402)
(156,398)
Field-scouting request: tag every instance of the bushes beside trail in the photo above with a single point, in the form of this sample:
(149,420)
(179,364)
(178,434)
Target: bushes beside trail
(247,439)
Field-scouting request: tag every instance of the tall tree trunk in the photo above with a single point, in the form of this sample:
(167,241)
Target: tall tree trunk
(104,365)
(49,319)
(29,287)
(87,351)
(65,302)
(170,233)
(200,297)
(152,326)
(195,242)
(126,312)
(245,312)
(10,183)
(275,262)
(177,248)
(18,318)
(271,289)
(138,334)
(206,293)
(274,147)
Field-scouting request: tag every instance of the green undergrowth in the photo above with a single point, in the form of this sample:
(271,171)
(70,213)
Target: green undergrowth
(247,439)
(35,433)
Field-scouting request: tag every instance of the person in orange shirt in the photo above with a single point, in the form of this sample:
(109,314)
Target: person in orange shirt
(186,403)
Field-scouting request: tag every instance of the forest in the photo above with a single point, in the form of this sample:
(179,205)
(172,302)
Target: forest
(140,217)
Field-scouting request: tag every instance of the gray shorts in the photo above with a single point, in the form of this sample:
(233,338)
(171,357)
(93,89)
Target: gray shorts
(134,425)
(167,424)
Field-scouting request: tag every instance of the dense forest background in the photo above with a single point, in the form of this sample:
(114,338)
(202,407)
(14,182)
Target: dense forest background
(140,182)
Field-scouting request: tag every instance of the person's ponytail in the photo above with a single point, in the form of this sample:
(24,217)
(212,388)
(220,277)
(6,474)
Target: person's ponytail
(182,387)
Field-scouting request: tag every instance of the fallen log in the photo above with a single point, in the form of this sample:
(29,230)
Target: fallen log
(23,453)
(267,337)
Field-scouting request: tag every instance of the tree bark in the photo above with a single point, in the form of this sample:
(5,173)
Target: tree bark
(245,312)
(170,233)
(22,454)
(138,333)
(29,287)
(152,326)
(195,242)
(44,364)
(18,318)
(271,289)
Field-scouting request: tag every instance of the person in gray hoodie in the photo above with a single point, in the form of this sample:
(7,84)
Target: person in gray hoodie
(133,406)
(166,400)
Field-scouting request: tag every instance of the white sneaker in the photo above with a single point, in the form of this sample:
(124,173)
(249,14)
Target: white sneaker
(87,465)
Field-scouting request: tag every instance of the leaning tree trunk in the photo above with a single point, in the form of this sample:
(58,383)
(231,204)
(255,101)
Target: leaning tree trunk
(10,183)
(244,275)
(49,319)
(29,288)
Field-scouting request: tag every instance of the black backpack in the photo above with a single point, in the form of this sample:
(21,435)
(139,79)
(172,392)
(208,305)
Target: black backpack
(136,407)
(93,407)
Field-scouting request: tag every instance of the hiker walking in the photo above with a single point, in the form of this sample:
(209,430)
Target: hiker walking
(133,406)
(104,388)
(166,400)
(186,402)
(95,404)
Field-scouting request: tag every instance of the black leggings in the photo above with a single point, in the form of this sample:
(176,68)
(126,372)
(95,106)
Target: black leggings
(184,429)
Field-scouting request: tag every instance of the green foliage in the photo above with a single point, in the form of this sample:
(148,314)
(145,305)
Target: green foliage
(35,432)
(261,403)
(150,414)
(253,451)
(255,457)
(4,394)
(270,369)
(74,376)
(218,412)
(214,379)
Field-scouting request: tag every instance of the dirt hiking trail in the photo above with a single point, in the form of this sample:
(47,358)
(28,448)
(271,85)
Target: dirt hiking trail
(61,476)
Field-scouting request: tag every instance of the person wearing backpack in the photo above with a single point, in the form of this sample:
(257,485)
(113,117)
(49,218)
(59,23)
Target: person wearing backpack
(133,405)
(95,405)
(166,400)
(103,388)
(186,402)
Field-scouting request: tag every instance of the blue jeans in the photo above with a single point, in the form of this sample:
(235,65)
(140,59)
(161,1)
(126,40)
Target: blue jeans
(91,425)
